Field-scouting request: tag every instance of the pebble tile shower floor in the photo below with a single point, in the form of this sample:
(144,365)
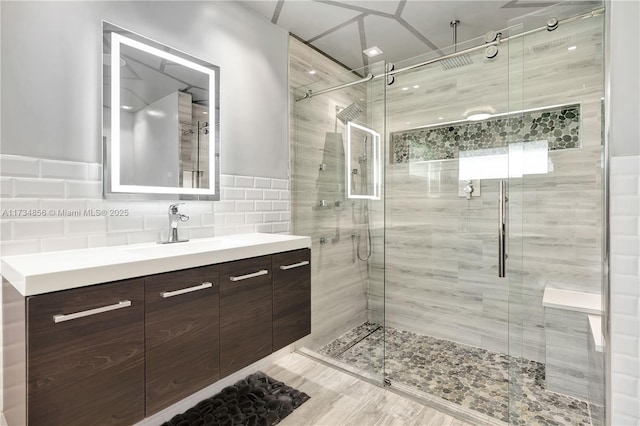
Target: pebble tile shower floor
(474,378)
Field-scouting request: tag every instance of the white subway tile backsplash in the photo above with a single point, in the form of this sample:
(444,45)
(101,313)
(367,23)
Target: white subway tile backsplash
(264,227)
(6,230)
(14,208)
(281,227)
(84,189)
(245,206)
(626,165)
(280,184)
(227,181)
(264,206)
(625,245)
(623,264)
(625,205)
(38,188)
(625,225)
(625,304)
(254,194)
(37,228)
(252,218)
(225,230)
(281,205)
(94,171)
(156,222)
(271,216)
(224,207)
(85,225)
(16,165)
(262,183)
(243,182)
(125,223)
(626,325)
(64,243)
(245,229)
(15,247)
(233,194)
(234,219)
(144,237)
(271,194)
(209,219)
(202,232)
(6,187)
(624,185)
(64,170)
(625,345)
(105,240)
(71,195)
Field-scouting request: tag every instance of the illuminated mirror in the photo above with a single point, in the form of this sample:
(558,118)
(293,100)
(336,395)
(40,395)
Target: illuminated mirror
(363,162)
(160,115)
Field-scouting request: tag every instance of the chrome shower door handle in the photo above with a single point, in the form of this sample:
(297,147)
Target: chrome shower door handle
(502,229)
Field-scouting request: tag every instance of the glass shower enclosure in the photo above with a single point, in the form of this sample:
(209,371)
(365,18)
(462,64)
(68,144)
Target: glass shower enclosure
(453,203)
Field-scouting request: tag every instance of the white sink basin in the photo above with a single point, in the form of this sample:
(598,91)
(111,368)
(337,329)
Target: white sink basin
(183,248)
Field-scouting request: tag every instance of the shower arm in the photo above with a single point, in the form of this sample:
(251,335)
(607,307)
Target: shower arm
(309,94)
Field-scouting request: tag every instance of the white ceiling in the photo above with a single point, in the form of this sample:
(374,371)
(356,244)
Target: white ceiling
(401,28)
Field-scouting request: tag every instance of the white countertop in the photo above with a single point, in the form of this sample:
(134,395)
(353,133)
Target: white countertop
(40,273)
(577,301)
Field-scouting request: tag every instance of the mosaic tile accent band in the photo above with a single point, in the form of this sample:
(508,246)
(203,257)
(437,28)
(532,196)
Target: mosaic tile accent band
(559,126)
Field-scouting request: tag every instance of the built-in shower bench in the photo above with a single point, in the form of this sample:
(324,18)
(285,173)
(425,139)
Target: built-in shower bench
(573,341)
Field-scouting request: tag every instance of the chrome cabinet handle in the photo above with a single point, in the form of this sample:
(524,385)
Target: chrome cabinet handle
(245,277)
(89,312)
(294,265)
(502,234)
(202,286)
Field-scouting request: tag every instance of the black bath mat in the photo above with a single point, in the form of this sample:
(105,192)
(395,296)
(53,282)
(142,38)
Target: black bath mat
(258,400)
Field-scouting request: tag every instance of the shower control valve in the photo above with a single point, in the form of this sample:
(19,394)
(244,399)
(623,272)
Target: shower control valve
(323,167)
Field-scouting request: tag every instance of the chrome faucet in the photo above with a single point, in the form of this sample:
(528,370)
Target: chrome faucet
(174,217)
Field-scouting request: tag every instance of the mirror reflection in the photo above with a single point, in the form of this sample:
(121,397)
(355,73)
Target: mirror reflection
(160,118)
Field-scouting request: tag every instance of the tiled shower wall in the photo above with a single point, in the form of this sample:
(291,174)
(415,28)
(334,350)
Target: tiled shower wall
(47,205)
(340,280)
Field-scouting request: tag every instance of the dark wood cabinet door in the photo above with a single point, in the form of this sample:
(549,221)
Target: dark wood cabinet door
(245,313)
(85,361)
(291,297)
(182,334)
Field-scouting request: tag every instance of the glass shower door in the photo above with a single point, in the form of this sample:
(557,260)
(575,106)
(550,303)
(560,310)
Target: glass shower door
(554,216)
(338,200)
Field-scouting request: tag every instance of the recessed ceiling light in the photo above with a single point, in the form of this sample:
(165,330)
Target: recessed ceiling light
(205,112)
(312,71)
(405,88)
(416,87)
(408,122)
(127,107)
(572,48)
(478,116)
(372,51)
(440,118)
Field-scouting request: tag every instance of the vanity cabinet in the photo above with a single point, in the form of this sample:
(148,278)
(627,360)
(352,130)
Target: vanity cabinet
(246,306)
(181,334)
(85,357)
(114,353)
(291,297)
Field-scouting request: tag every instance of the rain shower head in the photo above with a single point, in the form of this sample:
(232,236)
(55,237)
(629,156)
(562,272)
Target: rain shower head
(456,61)
(350,113)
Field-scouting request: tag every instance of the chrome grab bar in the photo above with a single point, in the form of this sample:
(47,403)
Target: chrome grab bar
(246,277)
(294,265)
(89,312)
(502,234)
(202,286)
